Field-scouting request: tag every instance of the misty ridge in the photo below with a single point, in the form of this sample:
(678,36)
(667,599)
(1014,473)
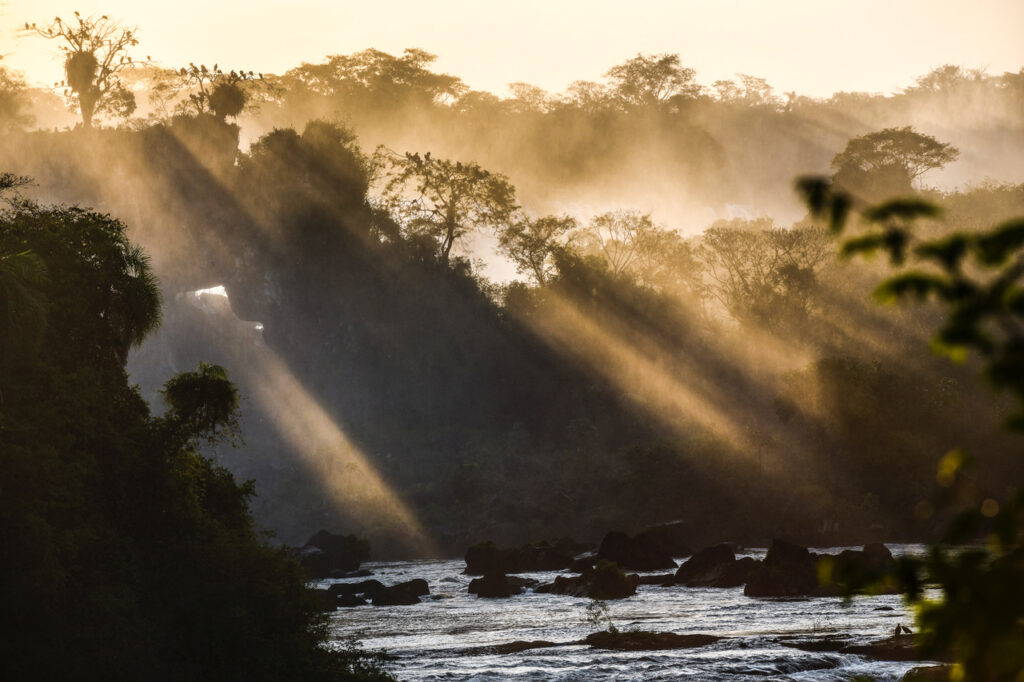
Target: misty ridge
(667,335)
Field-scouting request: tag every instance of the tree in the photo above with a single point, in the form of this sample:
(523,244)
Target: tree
(649,80)
(13,101)
(22,306)
(122,536)
(587,95)
(888,161)
(978,279)
(527,98)
(443,200)
(629,243)
(116,296)
(203,402)
(388,80)
(531,242)
(758,272)
(214,91)
(95,52)
(616,236)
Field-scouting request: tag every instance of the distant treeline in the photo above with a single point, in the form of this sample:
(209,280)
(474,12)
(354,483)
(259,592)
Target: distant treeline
(739,378)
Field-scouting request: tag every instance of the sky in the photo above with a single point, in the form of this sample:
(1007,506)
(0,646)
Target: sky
(814,48)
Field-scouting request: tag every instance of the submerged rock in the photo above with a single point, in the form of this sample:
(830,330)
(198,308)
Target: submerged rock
(929,673)
(646,641)
(901,648)
(519,645)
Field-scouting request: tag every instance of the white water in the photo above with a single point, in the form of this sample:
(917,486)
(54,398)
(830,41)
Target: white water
(434,640)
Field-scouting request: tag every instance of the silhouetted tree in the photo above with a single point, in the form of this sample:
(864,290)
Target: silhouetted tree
(889,160)
(647,80)
(758,272)
(214,91)
(445,200)
(95,51)
(617,236)
(13,101)
(530,243)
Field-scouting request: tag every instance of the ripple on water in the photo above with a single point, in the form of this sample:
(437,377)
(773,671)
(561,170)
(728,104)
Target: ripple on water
(446,639)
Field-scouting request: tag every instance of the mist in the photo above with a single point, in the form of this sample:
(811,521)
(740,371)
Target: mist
(732,368)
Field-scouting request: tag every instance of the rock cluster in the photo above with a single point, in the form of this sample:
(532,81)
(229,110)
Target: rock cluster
(328,555)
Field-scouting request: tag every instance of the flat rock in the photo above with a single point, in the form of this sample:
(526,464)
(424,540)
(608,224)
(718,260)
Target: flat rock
(646,641)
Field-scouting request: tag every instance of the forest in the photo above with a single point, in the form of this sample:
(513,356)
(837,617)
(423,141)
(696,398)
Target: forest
(360,296)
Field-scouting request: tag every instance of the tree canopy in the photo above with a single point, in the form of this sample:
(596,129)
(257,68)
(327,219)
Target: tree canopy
(443,200)
(95,51)
(889,160)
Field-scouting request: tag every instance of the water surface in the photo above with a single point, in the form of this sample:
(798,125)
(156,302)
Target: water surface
(440,638)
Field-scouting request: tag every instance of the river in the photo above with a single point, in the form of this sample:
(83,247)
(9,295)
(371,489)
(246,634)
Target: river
(440,638)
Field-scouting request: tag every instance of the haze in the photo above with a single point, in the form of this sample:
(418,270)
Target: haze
(814,48)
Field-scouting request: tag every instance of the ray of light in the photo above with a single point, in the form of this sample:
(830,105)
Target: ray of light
(344,471)
(644,374)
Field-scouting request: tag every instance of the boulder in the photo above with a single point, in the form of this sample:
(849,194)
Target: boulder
(672,537)
(342,552)
(350,600)
(609,582)
(639,640)
(640,553)
(698,566)
(394,596)
(665,579)
(417,586)
(314,560)
(575,586)
(486,557)
(732,574)
(583,563)
(493,586)
(605,581)
(361,587)
(788,570)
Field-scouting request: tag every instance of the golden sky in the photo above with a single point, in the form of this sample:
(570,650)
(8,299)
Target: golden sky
(815,48)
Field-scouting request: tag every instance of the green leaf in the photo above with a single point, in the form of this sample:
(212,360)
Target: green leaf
(905,209)
(815,191)
(866,245)
(995,247)
(949,252)
(916,284)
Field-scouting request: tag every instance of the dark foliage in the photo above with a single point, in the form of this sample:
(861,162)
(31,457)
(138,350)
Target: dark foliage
(128,554)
